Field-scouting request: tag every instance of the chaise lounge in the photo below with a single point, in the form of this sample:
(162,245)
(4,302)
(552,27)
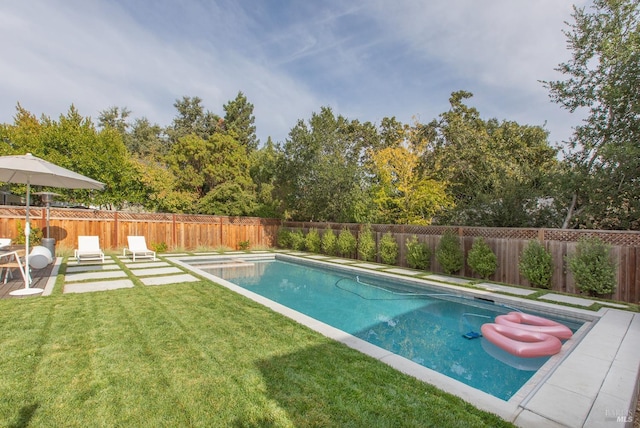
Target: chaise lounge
(88,249)
(138,248)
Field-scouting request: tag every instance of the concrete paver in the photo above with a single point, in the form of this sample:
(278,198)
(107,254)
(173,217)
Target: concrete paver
(368,266)
(149,264)
(451,279)
(169,279)
(341,261)
(156,271)
(580,301)
(85,287)
(403,271)
(82,276)
(87,268)
(504,288)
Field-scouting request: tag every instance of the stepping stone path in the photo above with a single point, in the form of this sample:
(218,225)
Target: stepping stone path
(87,277)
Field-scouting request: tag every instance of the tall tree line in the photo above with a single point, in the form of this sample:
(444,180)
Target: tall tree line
(458,169)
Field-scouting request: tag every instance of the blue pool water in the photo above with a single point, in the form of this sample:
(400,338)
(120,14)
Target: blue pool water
(423,325)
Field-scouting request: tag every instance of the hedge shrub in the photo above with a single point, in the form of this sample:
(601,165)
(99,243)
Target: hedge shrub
(346,244)
(312,241)
(296,239)
(482,260)
(329,242)
(388,249)
(449,253)
(418,254)
(283,239)
(366,244)
(592,267)
(536,265)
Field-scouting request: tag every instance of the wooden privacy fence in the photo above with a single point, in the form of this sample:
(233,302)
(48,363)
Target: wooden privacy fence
(190,232)
(508,244)
(177,231)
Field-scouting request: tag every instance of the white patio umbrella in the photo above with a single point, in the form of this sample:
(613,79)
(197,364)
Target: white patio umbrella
(28,169)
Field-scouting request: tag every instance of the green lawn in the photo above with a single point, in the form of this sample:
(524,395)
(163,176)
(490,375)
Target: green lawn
(196,355)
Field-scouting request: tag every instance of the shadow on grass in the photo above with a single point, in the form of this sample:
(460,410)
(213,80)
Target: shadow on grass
(25,415)
(332,385)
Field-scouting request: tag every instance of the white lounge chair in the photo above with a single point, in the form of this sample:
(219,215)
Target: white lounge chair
(5,242)
(88,249)
(138,248)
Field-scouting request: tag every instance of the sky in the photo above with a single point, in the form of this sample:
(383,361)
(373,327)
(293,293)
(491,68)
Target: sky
(366,59)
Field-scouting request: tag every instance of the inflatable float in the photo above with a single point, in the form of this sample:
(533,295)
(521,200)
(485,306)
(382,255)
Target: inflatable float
(520,342)
(525,335)
(535,324)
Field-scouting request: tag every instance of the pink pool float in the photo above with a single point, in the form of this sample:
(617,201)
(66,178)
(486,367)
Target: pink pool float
(535,324)
(520,342)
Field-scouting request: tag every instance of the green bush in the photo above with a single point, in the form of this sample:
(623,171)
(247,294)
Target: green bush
(35,235)
(296,239)
(346,244)
(592,267)
(366,244)
(418,254)
(388,249)
(536,265)
(283,239)
(312,241)
(329,242)
(482,260)
(449,253)
(160,247)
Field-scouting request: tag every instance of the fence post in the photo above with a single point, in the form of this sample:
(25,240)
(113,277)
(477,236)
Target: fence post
(115,229)
(174,231)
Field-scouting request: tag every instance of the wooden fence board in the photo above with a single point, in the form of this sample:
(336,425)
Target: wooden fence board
(508,245)
(177,231)
(190,232)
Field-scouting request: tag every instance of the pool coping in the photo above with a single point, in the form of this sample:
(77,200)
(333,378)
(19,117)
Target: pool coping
(593,381)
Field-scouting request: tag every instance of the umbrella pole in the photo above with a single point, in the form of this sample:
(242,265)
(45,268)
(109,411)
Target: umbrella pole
(27,275)
(27,235)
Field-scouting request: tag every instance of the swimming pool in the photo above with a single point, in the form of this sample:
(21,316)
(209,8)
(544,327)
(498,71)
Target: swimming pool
(426,325)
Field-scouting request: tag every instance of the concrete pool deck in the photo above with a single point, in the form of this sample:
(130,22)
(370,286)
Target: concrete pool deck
(592,382)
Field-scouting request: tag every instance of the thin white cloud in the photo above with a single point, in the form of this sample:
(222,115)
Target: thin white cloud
(366,59)
(95,56)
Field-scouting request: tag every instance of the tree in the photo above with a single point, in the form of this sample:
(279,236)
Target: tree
(401,195)
(115,118)
(603,156)
(193,119)
(483,162)
(73,142)
(392,133)
(239,119)
(228,187)
(189,161)
(319,171)
(158,192)
(263,171)
(147,140)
